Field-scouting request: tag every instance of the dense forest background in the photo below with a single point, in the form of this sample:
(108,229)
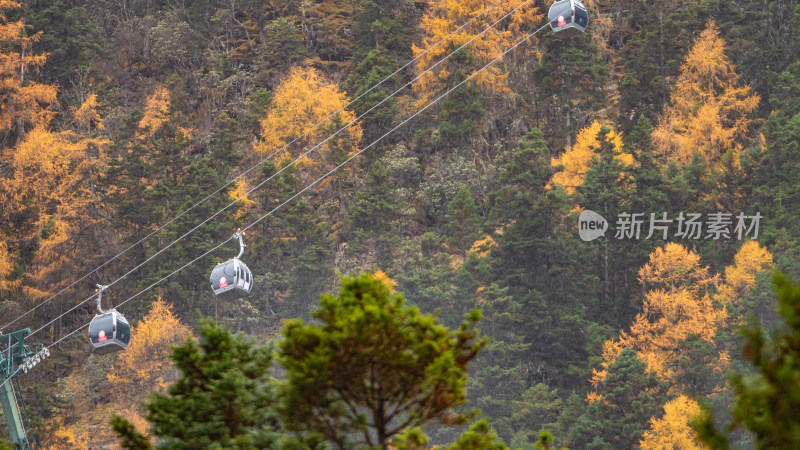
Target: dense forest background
(118,116)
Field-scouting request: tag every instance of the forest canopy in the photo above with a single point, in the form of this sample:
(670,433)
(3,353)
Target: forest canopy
(138,136)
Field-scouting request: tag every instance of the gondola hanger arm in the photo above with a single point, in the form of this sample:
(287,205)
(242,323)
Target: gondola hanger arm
(100,289)
(240,236)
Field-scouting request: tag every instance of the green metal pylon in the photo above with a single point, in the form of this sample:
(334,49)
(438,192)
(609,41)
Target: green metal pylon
(16,430)
(13,354)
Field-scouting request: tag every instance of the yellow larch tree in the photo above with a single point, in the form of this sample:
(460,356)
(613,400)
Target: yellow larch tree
(6,267)
(673,267)
(120,383)
(576,160)
(444,17)
(740,277)
(47,169)
(145,366)
(239,193)
(26,103)
(679,306)
(160,139)
(156,112)
(673,431)
(381,276)
(86,117)
(302,100)
(708,108)
(53,177)
(58,433)
(483,247)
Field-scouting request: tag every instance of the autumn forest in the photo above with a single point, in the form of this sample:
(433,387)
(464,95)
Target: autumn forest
(465,231)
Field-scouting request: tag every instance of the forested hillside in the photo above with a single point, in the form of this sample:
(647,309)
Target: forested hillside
(139,135)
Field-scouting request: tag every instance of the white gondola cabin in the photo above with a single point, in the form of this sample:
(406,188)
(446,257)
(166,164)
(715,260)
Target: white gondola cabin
(108,331)
(568,17)
(232,279)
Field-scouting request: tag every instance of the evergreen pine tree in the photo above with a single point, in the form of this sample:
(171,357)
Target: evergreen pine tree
(223,399)
(372,366)
(767,401)
(628,397)
(462,220)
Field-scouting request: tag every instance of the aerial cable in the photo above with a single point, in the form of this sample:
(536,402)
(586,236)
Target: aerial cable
(258,186)
(317,125)
(329,173)
(156,283)
(332,171)
(19,369)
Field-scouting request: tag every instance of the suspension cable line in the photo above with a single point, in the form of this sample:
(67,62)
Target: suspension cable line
(258,186)
(315,182)
(19,369)
(317,125)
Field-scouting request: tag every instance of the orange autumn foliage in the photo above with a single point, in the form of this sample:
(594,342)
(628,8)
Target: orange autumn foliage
(673,267)
(740,277)
(119,384)
(156,112)
(576,160)
(49,168)
(71,435)
(443,17)
(53,177)
(145,366)
(483,247)
(708,109)
(6,267)
(678,306)
(673,430)
(86,116)
(26,103)
(381,276)
(303,99)
(243,203)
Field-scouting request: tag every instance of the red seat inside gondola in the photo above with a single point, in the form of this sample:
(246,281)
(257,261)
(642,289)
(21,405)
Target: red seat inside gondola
(109,332)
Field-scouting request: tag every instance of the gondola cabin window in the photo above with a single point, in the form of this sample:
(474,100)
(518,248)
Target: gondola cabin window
(568,17)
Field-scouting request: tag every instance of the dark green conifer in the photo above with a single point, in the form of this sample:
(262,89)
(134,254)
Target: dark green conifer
(372,366)
(768,400)
(462,220)
(224,398)
(630,397)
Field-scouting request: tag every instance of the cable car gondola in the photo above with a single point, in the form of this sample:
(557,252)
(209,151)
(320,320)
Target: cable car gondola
(568,17)
(109,331)
(232,279)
